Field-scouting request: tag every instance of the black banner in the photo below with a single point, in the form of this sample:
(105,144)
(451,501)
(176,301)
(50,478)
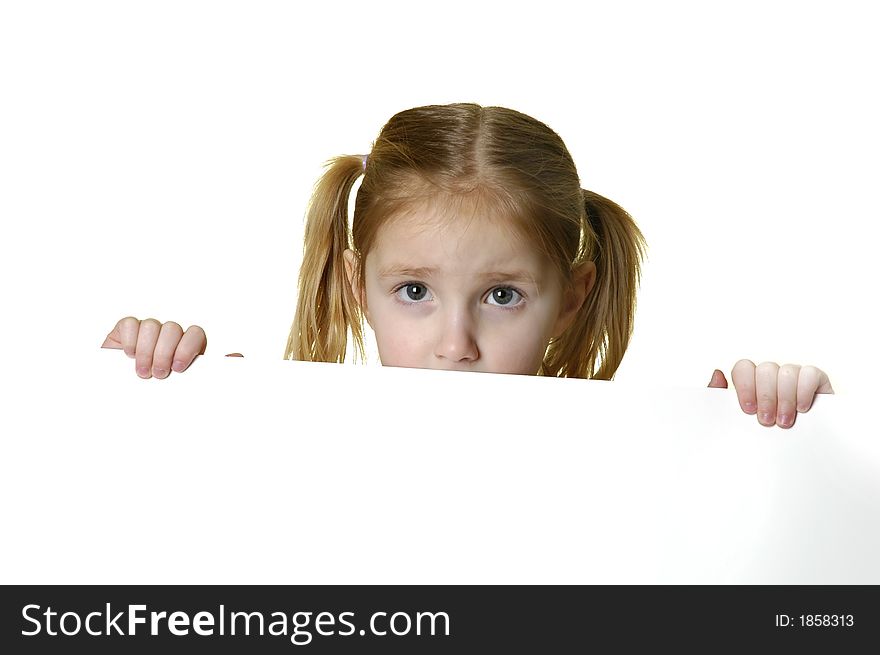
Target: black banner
(433,619)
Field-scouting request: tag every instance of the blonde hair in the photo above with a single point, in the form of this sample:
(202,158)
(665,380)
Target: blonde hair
(444,153)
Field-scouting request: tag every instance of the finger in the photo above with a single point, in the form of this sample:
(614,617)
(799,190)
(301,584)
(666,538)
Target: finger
(191,344)
(148,335)
(123,335)
(810,382)
(169,337)
(743,376)
(786,395)
(766,374)
(718,380)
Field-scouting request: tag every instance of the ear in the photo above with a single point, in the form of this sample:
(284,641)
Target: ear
(352,269)
(574,297)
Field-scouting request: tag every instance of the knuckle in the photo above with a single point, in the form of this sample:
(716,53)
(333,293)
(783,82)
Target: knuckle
(789,371)
(161,355)
(185,348)
(183,355)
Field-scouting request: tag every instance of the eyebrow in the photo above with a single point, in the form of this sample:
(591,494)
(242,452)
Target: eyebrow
(427,272)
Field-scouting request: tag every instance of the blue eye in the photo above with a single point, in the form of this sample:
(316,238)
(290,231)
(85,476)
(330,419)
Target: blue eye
(412,292)
(504,297)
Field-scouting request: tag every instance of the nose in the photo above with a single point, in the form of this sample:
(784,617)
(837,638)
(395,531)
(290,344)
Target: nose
(457,342)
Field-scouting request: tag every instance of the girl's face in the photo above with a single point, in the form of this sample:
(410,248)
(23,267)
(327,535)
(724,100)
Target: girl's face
(465,295)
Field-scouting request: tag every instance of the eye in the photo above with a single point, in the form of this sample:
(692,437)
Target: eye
(504,297)
(412,292)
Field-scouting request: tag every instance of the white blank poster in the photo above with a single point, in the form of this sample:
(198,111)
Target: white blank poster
(291,472)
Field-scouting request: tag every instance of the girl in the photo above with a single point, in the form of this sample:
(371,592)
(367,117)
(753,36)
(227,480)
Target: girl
(473,247)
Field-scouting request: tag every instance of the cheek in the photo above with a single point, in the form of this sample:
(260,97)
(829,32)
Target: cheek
(400,341)
(515,349)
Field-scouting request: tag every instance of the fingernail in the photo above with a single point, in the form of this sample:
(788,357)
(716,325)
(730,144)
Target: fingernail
(178,366)
(765,418)
(803,408)
(159,373)
(785,420)
(143,371)
(749,406)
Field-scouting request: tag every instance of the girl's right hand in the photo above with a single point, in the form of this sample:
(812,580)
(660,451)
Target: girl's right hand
(157,348)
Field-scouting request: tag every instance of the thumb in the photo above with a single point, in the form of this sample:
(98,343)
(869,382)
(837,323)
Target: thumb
(113,339)
(718,380)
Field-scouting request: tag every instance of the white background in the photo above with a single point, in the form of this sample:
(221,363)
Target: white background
(156,160)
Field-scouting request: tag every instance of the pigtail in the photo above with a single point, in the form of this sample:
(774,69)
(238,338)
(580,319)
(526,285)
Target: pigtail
(326,308)
(603,327)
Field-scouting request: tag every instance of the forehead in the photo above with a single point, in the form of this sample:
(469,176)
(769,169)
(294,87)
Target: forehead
(461,242)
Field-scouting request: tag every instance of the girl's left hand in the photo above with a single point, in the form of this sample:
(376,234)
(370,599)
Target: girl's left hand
(776,393)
